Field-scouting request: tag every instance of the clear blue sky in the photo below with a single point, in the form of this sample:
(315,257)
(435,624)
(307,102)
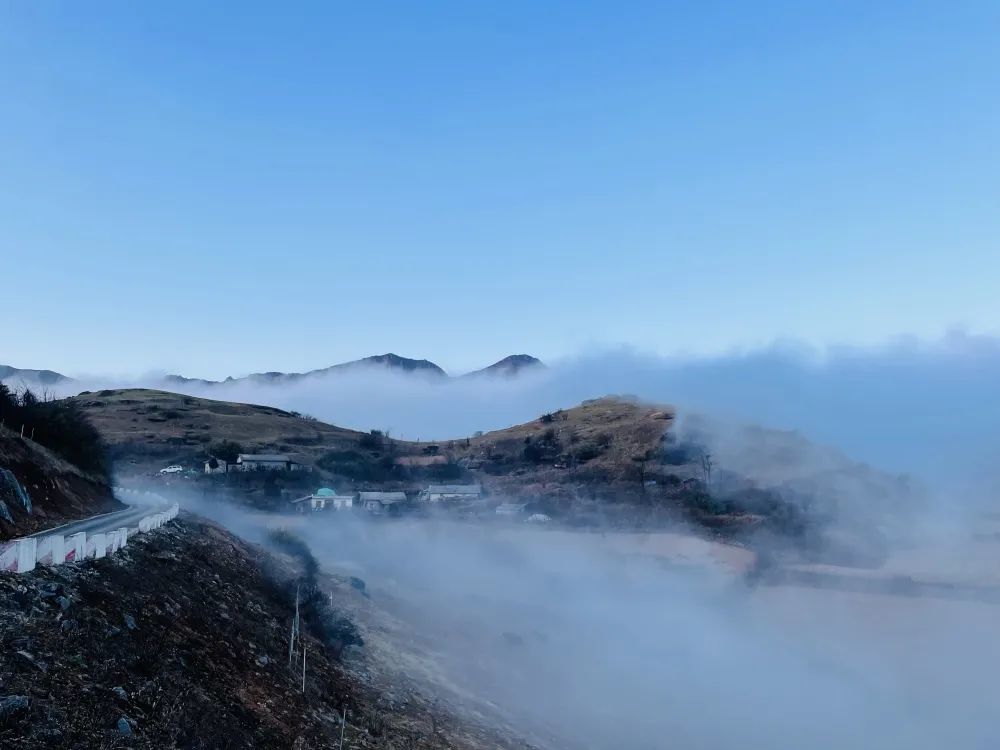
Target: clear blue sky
(216,188)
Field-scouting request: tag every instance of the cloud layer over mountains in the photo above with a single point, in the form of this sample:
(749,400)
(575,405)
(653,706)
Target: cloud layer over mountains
(909,406)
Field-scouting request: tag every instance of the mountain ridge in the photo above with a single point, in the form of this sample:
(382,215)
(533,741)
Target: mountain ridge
(45,377)
(510,366)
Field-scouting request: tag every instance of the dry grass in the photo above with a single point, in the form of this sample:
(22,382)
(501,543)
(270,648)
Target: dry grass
(148,425)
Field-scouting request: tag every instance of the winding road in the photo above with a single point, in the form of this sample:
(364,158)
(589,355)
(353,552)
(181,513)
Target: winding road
(129,517)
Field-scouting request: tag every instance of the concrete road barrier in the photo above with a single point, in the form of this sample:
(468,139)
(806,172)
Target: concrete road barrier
(97,545)
(22,555)
(19,555)
(76,547)
(50,550)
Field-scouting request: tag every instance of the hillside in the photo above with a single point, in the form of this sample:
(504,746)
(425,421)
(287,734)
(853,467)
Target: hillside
(602,439)
(146,428)
(57,490)
(611,460)
(181,640)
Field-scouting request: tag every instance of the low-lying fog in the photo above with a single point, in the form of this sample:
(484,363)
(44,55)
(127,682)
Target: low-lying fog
(596,640)
(598,647)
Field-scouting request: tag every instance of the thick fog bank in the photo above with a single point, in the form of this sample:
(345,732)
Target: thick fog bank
(595,649)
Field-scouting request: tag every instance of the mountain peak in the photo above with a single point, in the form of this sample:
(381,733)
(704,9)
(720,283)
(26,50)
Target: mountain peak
(42,377)
(392,362)
(511,365)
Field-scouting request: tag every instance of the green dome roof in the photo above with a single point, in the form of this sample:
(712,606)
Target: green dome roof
(325,492)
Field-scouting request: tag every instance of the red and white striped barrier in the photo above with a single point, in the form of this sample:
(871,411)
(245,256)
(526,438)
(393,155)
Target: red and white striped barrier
(22,555)
(76,547)
(18,555)
(50,550)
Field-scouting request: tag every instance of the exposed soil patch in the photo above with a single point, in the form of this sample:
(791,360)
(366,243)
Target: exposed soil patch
(59,492)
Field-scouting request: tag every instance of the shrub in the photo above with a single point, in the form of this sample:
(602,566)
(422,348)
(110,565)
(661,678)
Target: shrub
(61,426)
(228,450)
(587,453)
(444,472)
(371,441)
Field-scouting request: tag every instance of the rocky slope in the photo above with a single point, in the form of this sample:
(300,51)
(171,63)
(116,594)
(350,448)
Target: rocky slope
(181,640)
(57,490)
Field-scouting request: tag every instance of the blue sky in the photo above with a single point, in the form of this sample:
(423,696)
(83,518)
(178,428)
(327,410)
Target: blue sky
(217,190)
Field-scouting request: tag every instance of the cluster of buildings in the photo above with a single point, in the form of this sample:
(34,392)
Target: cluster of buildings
(373,502)
(378,502)
(394,503)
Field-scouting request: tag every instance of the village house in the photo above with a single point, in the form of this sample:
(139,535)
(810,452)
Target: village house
(324,498)
(267,462)
(379,503)
(509,510)
(437,493)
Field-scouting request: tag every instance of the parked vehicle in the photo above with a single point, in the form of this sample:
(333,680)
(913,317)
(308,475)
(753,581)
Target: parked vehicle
(172,469)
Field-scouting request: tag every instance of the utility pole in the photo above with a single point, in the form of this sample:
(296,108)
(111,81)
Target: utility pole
(295,628)
(343,723)
(303,667)
(706,468)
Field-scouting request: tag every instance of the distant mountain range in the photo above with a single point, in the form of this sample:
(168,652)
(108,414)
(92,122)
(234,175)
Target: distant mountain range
(510,366)
(45,377)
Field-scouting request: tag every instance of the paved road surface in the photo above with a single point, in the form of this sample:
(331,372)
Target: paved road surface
(107,522)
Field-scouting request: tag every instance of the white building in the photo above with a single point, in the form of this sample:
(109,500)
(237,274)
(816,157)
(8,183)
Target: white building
(324,498)
(380,502)
(267,462)
(437,493)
